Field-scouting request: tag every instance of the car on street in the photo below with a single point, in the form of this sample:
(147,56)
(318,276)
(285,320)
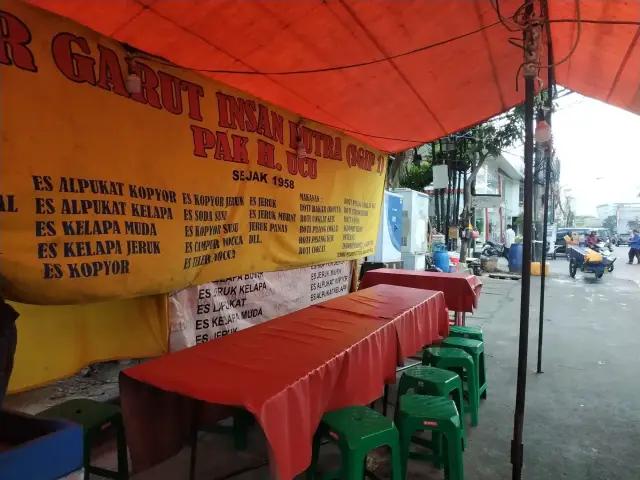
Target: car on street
(623,239)
(561,244)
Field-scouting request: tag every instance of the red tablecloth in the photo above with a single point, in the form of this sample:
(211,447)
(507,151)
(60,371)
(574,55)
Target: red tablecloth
(461,290)
(287,372)
(376,302)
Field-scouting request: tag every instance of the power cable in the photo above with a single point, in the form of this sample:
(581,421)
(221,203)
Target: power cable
(575,44)
(371,62)
(338,67)
(391,57)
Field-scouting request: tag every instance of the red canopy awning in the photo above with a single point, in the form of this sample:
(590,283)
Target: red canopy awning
(462,69)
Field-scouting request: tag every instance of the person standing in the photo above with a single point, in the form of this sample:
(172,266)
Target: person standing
(509,237)
(634,247)
(8,342)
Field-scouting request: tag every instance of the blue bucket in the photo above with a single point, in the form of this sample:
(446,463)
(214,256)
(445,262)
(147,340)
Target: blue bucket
(441,260)
(515,258)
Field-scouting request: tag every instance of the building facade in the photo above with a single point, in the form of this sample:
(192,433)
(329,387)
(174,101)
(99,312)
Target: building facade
(627,215)
(498,177)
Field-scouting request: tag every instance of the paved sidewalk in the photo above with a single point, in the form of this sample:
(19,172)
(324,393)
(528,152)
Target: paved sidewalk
(582,414)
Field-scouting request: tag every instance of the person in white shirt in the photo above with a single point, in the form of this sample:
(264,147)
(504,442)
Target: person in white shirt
(509,237)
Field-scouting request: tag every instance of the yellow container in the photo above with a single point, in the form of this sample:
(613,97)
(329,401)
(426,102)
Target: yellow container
(592,257)
(536,270)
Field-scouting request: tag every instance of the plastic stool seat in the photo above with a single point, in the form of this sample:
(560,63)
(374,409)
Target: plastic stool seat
(356,430)
(474,333)
(458,361)
(95,417)
(86,412)
(475,348)
(439,415)
(427,380)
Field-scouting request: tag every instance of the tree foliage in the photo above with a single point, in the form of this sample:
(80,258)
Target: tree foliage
(611,223)
(417,177)
(473,146)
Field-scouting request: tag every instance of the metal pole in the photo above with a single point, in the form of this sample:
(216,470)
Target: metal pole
(446,222)
(547,182)
(457,208)
(443,192)
(523,346)
(435,190)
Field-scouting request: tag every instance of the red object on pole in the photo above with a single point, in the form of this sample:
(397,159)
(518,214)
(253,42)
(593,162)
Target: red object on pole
(486,224)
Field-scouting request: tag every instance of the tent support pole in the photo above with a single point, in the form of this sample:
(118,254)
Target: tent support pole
(547,181)
(448,214)
(523,346)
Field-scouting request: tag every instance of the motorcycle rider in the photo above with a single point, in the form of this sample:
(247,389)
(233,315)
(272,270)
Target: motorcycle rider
(592,239)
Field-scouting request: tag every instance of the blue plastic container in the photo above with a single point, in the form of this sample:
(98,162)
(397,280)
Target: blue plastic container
(39,449)
(515,258)
(439,247)
(441,259)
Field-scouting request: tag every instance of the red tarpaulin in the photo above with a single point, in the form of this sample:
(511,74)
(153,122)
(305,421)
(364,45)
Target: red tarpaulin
(462,71)
(287,372)
(461,290)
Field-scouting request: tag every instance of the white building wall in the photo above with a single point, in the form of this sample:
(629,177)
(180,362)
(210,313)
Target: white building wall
(604,211)
(511,196)
(627,212)
(624,213)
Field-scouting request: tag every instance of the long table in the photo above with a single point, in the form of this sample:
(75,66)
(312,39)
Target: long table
(461,290)
(287,372)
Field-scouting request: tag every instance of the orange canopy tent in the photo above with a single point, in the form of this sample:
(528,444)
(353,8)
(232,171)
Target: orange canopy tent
(395,73)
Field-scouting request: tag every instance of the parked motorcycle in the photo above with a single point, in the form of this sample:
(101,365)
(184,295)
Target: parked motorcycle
(491,249)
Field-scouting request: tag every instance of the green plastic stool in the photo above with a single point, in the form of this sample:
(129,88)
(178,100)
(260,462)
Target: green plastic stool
(356,430)
(242,422)
(239,430)
(418,413)
(95,417)
(475,348)
(426,380)
(474,333)
(458,361)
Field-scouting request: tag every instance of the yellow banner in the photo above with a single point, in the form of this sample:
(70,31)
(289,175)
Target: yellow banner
(122,176)
(57,341)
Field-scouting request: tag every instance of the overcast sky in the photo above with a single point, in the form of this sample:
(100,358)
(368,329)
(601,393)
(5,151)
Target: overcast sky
(599,150)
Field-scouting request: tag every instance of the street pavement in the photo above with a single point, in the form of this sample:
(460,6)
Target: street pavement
(622,269)
(582,413)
